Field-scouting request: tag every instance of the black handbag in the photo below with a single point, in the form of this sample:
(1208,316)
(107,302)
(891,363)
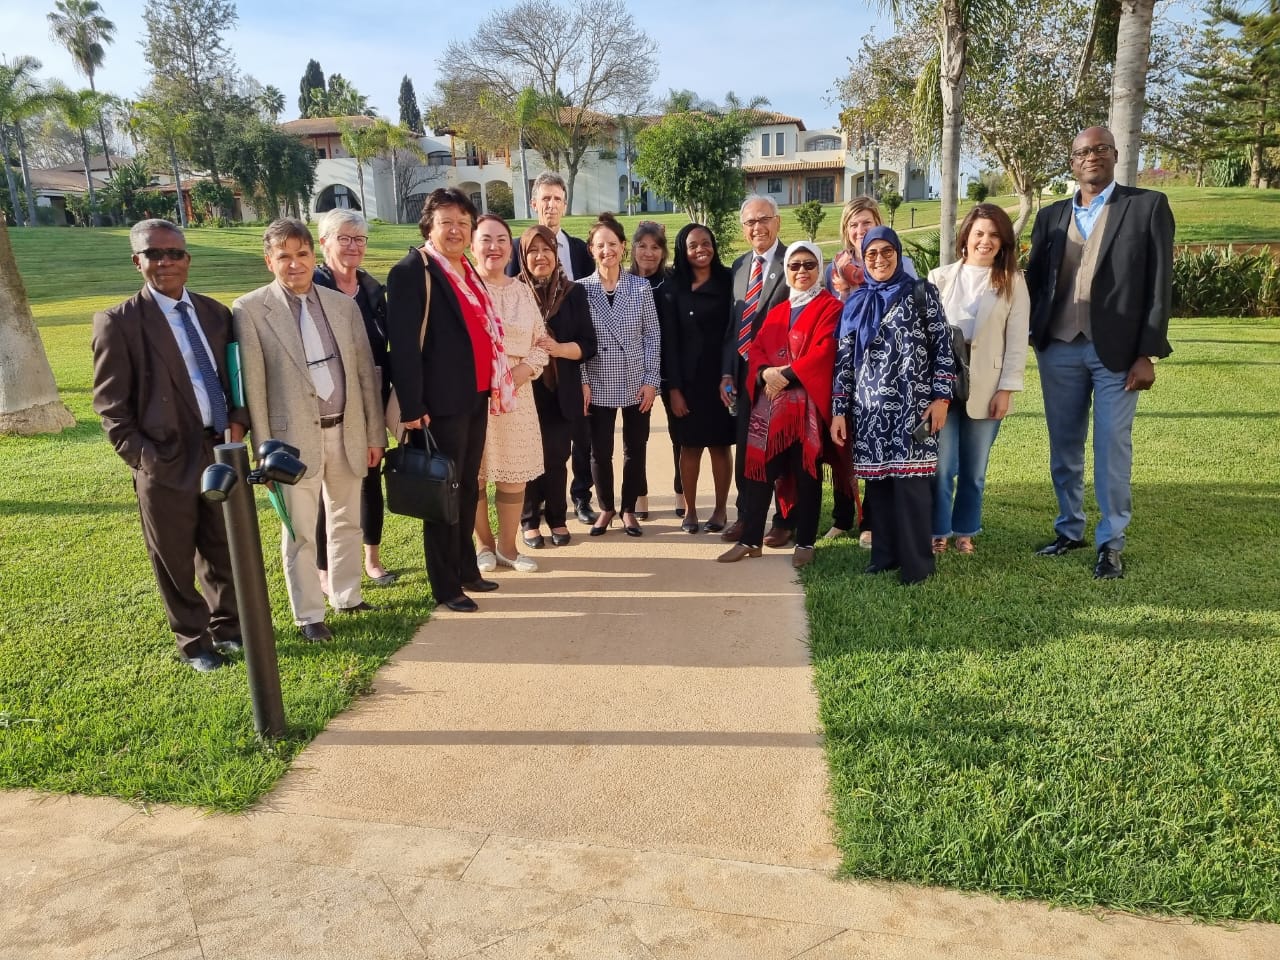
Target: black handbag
(421,483)
(959,349)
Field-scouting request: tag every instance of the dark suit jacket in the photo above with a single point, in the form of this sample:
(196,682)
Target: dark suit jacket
(683,315)
(572,322)
(143,392)
(440,378)
(580,259)
(774,292)
(1132,290)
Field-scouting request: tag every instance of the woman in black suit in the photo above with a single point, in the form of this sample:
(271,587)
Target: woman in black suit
(449,380)
(558,392)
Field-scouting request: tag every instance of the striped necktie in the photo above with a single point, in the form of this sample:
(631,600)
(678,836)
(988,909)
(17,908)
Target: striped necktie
(208,376)
(754,285)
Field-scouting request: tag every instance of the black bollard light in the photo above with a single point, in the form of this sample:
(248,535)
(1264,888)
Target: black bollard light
(228,481)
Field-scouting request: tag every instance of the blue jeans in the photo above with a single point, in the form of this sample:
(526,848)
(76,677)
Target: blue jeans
(1071,378)
(963,447)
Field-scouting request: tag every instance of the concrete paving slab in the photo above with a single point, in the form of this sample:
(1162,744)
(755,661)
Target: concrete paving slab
(860,945)
(590,932)
(673,934)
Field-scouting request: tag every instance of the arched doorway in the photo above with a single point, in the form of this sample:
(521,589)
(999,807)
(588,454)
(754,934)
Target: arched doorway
(337,196)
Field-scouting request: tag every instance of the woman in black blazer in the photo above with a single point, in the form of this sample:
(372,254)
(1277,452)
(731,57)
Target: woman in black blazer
(558,392)
(450,380)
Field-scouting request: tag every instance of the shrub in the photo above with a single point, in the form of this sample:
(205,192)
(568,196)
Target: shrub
(892,202)
(925,252)
(977,191)
(1058,188)
(810,216)
(501,201)
(1215,282)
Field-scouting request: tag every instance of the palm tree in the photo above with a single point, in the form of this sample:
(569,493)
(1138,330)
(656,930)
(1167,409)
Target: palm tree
(1129,85)
(363,143)
(82,109)
(395,138)
(28,394)
(80,27)
(164,125)
(21,98)
(271,102)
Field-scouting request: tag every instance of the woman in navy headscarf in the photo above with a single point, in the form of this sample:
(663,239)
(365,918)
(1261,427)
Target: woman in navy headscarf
(894,373)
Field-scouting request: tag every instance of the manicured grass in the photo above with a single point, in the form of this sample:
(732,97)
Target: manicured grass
(1016,727)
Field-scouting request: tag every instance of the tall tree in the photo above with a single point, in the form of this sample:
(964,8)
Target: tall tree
(193,70)
(312,79)
(159,126)
(363,142)
(1129,85)
(589,58)
(21,98)
(271,102)
(410,115)
(396,141)
(80,27)
(29,401)
(274,170)
(83,110)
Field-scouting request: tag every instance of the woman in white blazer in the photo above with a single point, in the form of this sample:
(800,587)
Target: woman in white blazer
(983,294)
(624,373)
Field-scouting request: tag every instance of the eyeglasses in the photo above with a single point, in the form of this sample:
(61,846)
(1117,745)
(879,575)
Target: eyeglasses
(345,241)
(1100,150)
(156,254)
(882,253)
(758,221)
(795,266)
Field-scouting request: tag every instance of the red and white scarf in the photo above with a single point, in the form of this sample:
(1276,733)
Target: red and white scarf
(502,389)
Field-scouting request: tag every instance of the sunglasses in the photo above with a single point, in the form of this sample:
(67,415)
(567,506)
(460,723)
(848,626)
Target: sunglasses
(887,253)
(157,254)
(797,265)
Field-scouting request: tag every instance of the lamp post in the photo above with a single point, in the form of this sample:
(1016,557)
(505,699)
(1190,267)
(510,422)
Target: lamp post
(229,481)
(866,172)
(875,183)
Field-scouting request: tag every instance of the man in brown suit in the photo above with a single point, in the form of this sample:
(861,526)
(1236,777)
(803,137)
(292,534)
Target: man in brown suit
(160,386)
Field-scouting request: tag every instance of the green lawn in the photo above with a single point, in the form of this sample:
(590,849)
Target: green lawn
(1016,727)
(1011,726)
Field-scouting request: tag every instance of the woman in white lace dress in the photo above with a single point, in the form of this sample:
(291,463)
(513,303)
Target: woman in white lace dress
(513,448)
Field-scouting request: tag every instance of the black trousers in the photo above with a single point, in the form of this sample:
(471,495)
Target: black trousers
(902,525)
(450,553)
(580,489)
(675,447)
(372,513)
(844,512)
(547,493)
(740,451)
(635,437)
(756,494)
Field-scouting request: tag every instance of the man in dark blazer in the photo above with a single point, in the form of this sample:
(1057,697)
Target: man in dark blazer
(1100,275)
(758,286)
(549,198)
(160,386)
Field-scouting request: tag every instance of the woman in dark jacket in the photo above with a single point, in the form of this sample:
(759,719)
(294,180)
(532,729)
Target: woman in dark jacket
(449,377)
(649,260)
(699,304)
(558,392)
(344,236)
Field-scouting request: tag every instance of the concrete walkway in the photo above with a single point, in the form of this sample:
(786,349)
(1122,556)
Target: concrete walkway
(619,757)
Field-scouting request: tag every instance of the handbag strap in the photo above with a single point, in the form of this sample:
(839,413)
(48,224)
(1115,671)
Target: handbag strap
(403,435)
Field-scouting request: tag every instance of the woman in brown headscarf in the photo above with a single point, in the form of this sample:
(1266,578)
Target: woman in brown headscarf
(558,393)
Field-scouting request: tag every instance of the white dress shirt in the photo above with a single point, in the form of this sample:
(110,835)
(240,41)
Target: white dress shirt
(169,307)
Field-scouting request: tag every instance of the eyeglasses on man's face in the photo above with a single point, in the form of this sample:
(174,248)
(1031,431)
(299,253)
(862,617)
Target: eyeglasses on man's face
(1102,150)
(156,254)
(754,222)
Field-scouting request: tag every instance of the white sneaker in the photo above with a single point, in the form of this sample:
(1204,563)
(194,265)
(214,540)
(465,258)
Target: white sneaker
(486,560)
(519,563)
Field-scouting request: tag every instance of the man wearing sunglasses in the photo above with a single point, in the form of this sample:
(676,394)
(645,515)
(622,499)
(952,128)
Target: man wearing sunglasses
(1100,276)
(160,386)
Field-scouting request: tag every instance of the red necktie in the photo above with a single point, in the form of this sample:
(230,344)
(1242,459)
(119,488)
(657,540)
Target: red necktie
(754,285)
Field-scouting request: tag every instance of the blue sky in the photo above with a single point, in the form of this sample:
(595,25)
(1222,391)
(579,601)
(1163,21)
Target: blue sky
(710,47)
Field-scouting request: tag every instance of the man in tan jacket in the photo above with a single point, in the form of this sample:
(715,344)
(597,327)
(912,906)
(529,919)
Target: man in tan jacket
(310,381)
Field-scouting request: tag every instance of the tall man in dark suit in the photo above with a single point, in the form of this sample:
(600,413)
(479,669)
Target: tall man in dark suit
(549,201)
(160,386)
(758,287)
(1101,281)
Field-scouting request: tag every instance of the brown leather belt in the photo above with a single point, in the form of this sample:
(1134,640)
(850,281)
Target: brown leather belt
(326,422)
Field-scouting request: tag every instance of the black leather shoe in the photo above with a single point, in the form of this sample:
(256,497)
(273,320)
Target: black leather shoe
(533,539)
(881,568)
(233,645)
(462,604)
(582,510)
(1109,565)
(205,661)
(1059,546)
(360,607)
(481,586)
(561,539)
(315,632)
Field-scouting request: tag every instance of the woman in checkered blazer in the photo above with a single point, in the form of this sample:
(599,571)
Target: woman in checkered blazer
(623,375)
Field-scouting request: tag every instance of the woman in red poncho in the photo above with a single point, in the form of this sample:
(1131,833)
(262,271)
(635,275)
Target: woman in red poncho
(789,377)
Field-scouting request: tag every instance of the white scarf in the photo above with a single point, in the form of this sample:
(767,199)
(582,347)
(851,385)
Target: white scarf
(800,297)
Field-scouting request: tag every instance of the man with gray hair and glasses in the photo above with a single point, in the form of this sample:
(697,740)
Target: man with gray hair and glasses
(160,386)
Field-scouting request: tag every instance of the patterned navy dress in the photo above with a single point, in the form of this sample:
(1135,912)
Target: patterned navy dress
(907,366)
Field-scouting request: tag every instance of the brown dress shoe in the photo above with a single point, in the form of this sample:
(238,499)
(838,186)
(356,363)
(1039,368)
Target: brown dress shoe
(737,552)
(733,533)
(779,537)
(802,557)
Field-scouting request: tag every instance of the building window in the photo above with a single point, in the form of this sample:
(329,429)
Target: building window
(775,185)
(321,153)
(476,201)
(777,144)
(824,143)
(764,144)
(822,189)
